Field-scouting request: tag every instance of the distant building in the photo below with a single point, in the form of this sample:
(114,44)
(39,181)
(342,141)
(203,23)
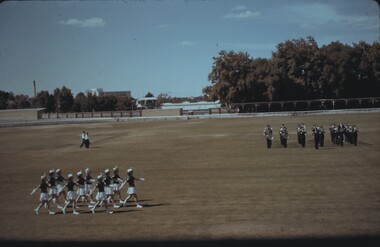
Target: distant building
(101,92)
(147,103)
(29,114)
(192,106)
(118,93)
(96,91)
(151,103)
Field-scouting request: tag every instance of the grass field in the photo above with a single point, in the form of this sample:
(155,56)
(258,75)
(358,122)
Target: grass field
(205,179)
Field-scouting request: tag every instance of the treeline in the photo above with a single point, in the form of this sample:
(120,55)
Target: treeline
(62,100)
(297,70)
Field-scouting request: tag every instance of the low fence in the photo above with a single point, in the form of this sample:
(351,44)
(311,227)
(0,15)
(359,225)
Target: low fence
(105,114)
(253,107)
(305,105)
(126,114)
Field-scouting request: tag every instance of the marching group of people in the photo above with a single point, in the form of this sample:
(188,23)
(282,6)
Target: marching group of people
(108,190)
(344,132)
(339,134)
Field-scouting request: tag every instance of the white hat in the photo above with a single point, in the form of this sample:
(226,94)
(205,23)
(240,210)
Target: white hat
(100,176)
(51,171)
(87,170)
(79,173)
(58,170)
(70,175)
(115,168)
(130,170)
(43,176)
(106,170)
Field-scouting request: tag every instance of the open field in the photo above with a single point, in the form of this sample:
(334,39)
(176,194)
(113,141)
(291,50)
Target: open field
(205,179)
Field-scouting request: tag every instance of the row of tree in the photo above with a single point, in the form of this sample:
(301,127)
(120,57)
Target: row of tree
(62,100)
(297,70)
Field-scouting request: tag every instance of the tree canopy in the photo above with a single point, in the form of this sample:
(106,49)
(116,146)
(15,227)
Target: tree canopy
(299,69)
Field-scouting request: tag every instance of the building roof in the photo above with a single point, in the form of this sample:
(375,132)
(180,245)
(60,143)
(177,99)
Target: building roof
(24,109)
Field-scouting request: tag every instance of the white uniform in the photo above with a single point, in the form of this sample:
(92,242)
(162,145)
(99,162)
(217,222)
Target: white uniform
(44,197)
(72,195)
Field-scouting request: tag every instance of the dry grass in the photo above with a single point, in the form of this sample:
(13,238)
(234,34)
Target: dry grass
(205,179)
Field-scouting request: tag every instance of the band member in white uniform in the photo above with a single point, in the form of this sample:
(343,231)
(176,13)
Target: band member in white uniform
(116,183)
(60,180)
(82,194)
(71,194)
(101,195)
(88,185)
(83,138)
(44,197)
(53,192)
(131,188)
(87,140)
(109,189)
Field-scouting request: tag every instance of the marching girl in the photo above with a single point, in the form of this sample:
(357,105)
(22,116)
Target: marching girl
(108,188)
(88,185)
(131,188)
(43,195)
(116,183)
(53,192)
(60,179)
(71,194)
(101,197)
(82,193)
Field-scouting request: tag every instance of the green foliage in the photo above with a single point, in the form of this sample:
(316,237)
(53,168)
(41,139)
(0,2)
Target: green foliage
(5,99)
(64,99)
(297,70)
(149,94)
(45,100)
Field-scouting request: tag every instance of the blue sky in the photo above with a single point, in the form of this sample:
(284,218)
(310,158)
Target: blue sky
(158,46)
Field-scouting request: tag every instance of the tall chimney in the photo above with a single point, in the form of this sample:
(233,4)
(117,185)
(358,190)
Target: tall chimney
(34,85)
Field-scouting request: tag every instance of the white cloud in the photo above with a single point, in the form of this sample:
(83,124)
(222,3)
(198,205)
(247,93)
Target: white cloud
(187,43)
(318,15)
(93,22)
(242,15)
(240,7)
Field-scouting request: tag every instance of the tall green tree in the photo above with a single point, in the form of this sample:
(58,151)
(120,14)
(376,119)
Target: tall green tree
(297,68)
(260,76)
(368,69)
(337,70)
(5,99)
(107,103)
(124,103)
(93,103)
(230,78)
(45,100)
(80,103)
(64,99)
(22,101)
